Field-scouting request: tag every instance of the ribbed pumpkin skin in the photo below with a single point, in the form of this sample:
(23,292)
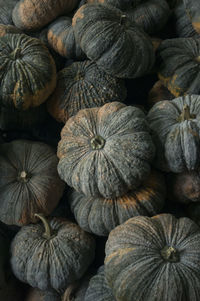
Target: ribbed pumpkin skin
(100,216)
(179,65)
(27,71)
(61,38)
(83,85)
(21,196)
(108,37)
(34,294)
(136,269)
(177,142)
(6,8)
(51,263)
(105,151)
(4,29)
(193,11)
(121,4)
(35,14)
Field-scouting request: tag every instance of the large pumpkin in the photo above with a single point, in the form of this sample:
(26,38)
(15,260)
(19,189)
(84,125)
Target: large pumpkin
(27,71)
(108,37)
(105,151)
(150,259)
(29,181)
(83,85)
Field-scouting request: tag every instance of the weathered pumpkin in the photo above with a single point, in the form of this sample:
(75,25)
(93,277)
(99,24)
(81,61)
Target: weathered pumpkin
(52,259)
(27,71)
(36,14)
(193,11)
(83,85)
(4,29)
(105,151)
(108,37)
(100,215)
(6,8)
(35,294)
(156,258)
(158,93)
(29,181)
(175,128)
(121,4)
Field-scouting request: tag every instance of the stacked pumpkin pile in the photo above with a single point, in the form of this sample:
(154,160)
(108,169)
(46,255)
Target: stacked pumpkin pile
(99,152)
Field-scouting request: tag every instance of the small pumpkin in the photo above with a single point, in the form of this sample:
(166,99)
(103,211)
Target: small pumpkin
(83,85)
(35,294)
(29,181)
(105,151)
(108,37)
(27,71)
(54,258)
(154,258)
(100,215)
(158,93)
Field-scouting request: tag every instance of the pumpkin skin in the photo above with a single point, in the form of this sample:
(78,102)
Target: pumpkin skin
(34,294)
(27,73)
(175,128)
(29,181)
(179,65)
(100,216)
(105,151)
(158,93)
(83,85)
(161,252)
(36,14)
(62,40)
(4,29)
(6,8)
(54,259)
(108,37)
(193,11)
(121,4)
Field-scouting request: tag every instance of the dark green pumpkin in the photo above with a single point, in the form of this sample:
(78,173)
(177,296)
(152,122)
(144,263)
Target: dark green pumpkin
(121,4)
(83,85)
(108,37)
(153,259)
(27,71)
(6,8)
(54,258)
(4,29)
(193,11)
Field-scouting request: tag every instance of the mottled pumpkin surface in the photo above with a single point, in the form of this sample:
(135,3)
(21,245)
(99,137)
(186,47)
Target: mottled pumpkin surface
(29,182)
(27,71)
(4,29)
(6,8)
(193,11)
(35,294)
(108,37)
(35,14)
(153,259)
(176,132)
(100,215)
(121,4)
(105,151)
(83,85)
(55,261)
(179,65)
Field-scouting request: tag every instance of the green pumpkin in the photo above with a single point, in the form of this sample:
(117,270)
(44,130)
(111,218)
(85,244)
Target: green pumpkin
(193,11)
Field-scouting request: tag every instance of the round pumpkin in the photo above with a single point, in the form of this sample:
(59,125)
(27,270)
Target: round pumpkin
(29,181)
(158,93)
(154,258)
(83,85)
(35,294)
(4,29)
(193,11)
(105,151)
(6,8)
(100,215)
(176,133)
(54,258)
(27,71)
(108,37)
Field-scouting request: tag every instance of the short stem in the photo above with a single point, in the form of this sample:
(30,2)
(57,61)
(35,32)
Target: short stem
(48,231)
(16,53)
(170,254)
(97,142)
(122,19)
(70,292)
(186,115)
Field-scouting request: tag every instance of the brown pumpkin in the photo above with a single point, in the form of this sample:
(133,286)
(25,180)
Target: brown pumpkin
(158,93)
(4,29)
(35,294)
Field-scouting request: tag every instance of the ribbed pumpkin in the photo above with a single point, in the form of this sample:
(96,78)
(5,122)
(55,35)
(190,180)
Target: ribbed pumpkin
(54,258)
(158,93)
(36,14)
(108,37)
(121,4)
(6,8)
(156,258)
(35,294)
(4,29)
(29,181)
(61,38)
(193,11)
(179,65)
(83,85)
(27,71)
(175,128)
(100,215)
(105,151)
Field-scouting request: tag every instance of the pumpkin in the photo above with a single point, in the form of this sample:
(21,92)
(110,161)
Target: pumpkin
(105,151)
(193,11)
(4,29)
(83,85)
(27,73)
(179,65)
(121,4)
(108,37)
(175,128)
(29,181)
(54,258)
(154,258)
(100,215)
(6,8)
(158,93)
(62,40)
(35,294)
(36,14)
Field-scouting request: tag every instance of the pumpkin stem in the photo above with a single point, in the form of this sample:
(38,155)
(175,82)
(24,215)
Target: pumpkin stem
(16,53)
(23,176)
(186,115)
(70,292)
(122,19)
(48,231)
(198,59)
(97,142)
(170,254)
